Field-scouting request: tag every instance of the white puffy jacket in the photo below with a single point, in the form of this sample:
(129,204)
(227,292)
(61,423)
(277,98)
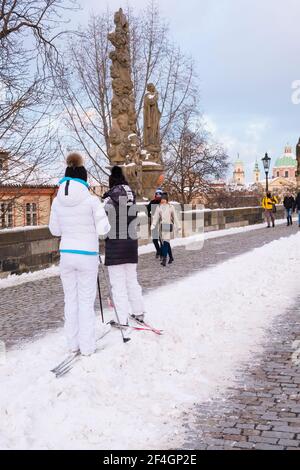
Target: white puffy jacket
(78,218)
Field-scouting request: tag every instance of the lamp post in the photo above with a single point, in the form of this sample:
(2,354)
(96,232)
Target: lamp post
(266,162)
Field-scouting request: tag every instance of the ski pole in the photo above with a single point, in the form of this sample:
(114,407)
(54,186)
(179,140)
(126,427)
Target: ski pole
(125,340)
(100,298)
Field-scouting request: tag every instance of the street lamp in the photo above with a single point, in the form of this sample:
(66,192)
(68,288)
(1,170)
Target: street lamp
(266,162)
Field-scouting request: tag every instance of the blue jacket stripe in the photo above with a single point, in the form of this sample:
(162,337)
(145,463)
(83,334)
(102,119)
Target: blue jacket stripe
(78,180)
(81,252)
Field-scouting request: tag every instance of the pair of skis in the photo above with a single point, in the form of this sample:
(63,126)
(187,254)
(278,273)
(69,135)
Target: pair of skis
(145,326)
(140,326)
(67,364)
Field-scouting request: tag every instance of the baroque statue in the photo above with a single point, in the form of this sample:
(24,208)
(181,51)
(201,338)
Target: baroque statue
(152,117)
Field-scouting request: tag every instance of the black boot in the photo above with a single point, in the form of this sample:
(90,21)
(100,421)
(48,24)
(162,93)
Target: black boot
(171,260)
(164,261)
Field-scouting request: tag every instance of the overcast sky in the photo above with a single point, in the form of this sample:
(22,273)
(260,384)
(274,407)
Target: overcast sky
(248,55)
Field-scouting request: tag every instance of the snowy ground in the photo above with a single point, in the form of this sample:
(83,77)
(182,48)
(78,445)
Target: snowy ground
(132,396)
(188,242)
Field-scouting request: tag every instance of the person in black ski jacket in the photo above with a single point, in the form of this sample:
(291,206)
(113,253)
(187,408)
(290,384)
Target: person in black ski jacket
(289,203)
(121,248)
(297,206)
(151,208)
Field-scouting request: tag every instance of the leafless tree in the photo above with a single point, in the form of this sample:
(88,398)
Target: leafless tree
(192,160)
(29,32)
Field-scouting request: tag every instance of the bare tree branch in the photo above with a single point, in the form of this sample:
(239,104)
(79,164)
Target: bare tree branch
(192,161)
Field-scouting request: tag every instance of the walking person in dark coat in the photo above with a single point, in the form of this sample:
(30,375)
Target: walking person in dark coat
(289,203)
(297,206)
(152,207)
(121,248)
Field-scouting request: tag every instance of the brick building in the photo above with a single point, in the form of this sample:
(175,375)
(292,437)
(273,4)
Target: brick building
(26,205)
(26,195)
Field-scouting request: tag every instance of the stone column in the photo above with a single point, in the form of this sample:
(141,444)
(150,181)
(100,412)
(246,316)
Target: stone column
(124,130)
(141,168)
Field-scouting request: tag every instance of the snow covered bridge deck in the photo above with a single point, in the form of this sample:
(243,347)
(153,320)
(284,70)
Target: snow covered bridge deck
(33,308)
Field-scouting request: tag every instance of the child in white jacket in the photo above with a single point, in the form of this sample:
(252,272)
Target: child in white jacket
(78,218)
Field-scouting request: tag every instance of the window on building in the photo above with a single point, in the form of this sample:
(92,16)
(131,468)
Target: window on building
(1,164)
(286,174)
(6,215)
(31,213)
(278,174)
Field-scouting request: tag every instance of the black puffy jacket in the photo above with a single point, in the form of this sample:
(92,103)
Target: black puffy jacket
(152,206)
(121,245)
(297,202)
(289,202)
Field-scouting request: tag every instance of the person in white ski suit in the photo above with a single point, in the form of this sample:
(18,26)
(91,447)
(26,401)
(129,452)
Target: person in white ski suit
(78,218)
(121,248)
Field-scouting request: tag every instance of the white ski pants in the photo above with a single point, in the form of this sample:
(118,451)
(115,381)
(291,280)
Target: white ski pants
(79,279)
(126,291)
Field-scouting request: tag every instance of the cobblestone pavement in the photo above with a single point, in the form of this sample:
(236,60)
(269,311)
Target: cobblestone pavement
(262,411)
(33,308)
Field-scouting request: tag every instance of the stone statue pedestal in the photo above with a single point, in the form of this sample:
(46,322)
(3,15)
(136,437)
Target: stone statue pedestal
(151,175)
(143,178)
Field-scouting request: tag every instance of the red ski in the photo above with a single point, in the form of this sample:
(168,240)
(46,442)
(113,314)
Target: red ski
(147,326)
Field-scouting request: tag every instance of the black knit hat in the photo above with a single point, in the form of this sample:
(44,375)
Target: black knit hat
(116,177)
(75,168)
(117,172)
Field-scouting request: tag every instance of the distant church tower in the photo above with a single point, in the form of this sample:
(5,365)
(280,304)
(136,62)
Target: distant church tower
(239,172)
(256,173)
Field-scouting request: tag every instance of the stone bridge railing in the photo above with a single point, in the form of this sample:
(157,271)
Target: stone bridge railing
(28,249)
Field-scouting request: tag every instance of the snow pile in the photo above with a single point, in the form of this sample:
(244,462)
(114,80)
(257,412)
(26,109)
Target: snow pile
(148,162)
(17,279)
(132,396)
(23,228)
